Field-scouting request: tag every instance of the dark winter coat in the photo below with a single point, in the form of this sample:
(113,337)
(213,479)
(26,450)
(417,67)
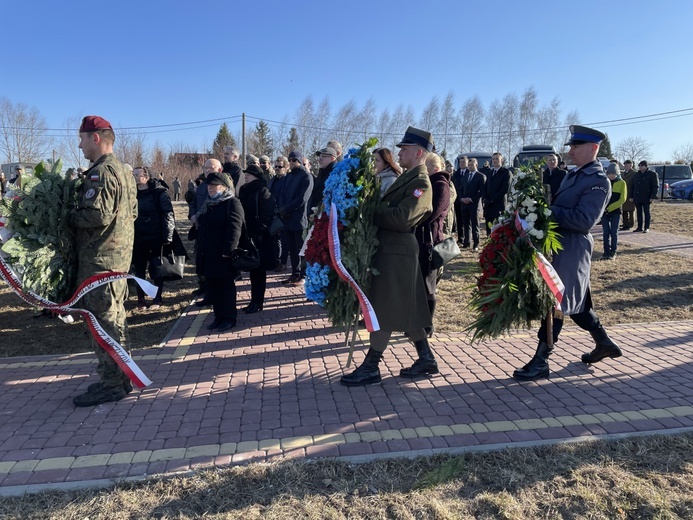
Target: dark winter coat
(294,193)
(496,192)
(319,187)
(155,220)
(577,208)
(397,292)
(553,178)
(236,174)
(259,208)
(219,234)
(645,186)
(628,177)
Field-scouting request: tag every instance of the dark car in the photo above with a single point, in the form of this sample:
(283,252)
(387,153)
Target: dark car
(681,190)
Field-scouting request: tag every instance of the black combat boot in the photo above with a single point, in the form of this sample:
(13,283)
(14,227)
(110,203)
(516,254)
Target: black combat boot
(367,374)
(425,365)
(538,367)
(605,347)
(432,308)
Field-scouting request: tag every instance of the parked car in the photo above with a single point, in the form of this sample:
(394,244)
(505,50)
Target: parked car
(669,174)
(533,153)
(481,158)
(681,190)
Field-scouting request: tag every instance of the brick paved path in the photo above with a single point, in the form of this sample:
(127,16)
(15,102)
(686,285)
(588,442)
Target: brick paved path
(269,390)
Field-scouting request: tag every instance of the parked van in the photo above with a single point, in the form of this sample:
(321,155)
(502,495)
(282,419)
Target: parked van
(533,153)
(8,168)
(481,158)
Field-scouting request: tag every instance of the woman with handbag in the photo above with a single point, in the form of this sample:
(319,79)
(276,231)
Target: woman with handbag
(259,207)
(430,231)
(153,229)
(220,222)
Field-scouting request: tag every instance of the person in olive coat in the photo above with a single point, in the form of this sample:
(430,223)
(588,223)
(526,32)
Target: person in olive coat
(220,222)
(398,294)
(259,208)
(577,207)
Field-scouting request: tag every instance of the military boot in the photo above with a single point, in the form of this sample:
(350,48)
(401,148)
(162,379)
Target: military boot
(425,365)
(605,347)
(100,395)
(368,373)
(538,367)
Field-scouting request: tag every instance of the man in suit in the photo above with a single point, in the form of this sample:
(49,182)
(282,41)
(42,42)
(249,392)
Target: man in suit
(495,190)
(398,294)
(577,207)
(458,174)
(553,175)
(472,188)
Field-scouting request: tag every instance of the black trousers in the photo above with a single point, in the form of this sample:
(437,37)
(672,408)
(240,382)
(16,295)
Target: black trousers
(469,224)
(294,243)
(222,293)
(258,284)
(586,320)
(142,252)
(643,207)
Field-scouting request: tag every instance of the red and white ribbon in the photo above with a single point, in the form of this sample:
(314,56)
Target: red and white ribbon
(114,349)
(369,317)
(548,273)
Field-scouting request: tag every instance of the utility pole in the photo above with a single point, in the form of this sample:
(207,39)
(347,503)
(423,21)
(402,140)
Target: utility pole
(243,141)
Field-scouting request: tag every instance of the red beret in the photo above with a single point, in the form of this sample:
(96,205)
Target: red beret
(94,123)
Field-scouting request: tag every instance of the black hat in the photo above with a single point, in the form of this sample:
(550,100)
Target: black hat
(296,154)
(642,163)
(416,137)
(254,169)
(582,134)
(217,179)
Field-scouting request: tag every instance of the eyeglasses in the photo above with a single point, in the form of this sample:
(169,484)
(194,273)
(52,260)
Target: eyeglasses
(264,162)
(294,160)
(278,166)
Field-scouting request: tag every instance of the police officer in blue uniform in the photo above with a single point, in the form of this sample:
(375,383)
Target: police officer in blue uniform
(577,207)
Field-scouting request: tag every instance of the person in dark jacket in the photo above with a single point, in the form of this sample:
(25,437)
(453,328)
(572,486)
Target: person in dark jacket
(471,189)
(276,186)
(327,158)
(495,190)
(220,223)
(293,197)
(430,231)
(232,168)
(645,186)
(153,228)
(553,175)
(259,208)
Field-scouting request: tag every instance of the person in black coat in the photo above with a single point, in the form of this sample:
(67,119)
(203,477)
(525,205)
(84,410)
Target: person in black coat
(645,187)
(220,224)
(153,228)
(495,190)
(469,194)
(232,168)
(553,175)
(259,208)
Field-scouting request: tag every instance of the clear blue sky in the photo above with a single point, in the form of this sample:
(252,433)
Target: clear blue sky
(152,62)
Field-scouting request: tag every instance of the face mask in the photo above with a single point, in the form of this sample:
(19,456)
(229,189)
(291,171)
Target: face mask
(216,195)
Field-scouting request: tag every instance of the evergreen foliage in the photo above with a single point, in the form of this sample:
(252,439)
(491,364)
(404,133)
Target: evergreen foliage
(42,249)
(260,141)
(605,149)
(223,138)
(292,143)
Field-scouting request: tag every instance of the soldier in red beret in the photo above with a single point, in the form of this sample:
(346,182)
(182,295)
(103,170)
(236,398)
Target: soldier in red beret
(104,225)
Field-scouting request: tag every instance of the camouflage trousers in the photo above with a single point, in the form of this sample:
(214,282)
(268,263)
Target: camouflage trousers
(107,304)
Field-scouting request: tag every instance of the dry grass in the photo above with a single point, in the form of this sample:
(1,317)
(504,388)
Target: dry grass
(647,477)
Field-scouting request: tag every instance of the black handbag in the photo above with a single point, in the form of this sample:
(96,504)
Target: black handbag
(167,267)
(443,252)
(275,226)
(246,256)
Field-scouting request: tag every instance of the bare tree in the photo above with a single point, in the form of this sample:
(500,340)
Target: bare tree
(447,123)
(471,119)
(366,120)
(634,148)
(494,125)
(23,133)
(130,147)
(527,116)
(346,122)
(68,145)
(549,129)
(321,121)
(683,153)
(509,120)
(384,128)
(158,159)
(430,116)
(305,123)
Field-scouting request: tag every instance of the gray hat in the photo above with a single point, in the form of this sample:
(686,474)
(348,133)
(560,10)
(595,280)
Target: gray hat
(328,150)
(613,168)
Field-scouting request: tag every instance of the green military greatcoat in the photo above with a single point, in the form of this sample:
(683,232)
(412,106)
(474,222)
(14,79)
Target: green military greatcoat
(397,293)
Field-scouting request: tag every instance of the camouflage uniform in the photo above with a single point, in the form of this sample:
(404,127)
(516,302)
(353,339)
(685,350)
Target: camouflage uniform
(104,224)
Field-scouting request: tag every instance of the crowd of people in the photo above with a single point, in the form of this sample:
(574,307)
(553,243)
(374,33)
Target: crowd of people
(125,216)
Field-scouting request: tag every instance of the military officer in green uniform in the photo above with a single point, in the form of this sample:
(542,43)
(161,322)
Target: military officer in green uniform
(104,226)
(397,294)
